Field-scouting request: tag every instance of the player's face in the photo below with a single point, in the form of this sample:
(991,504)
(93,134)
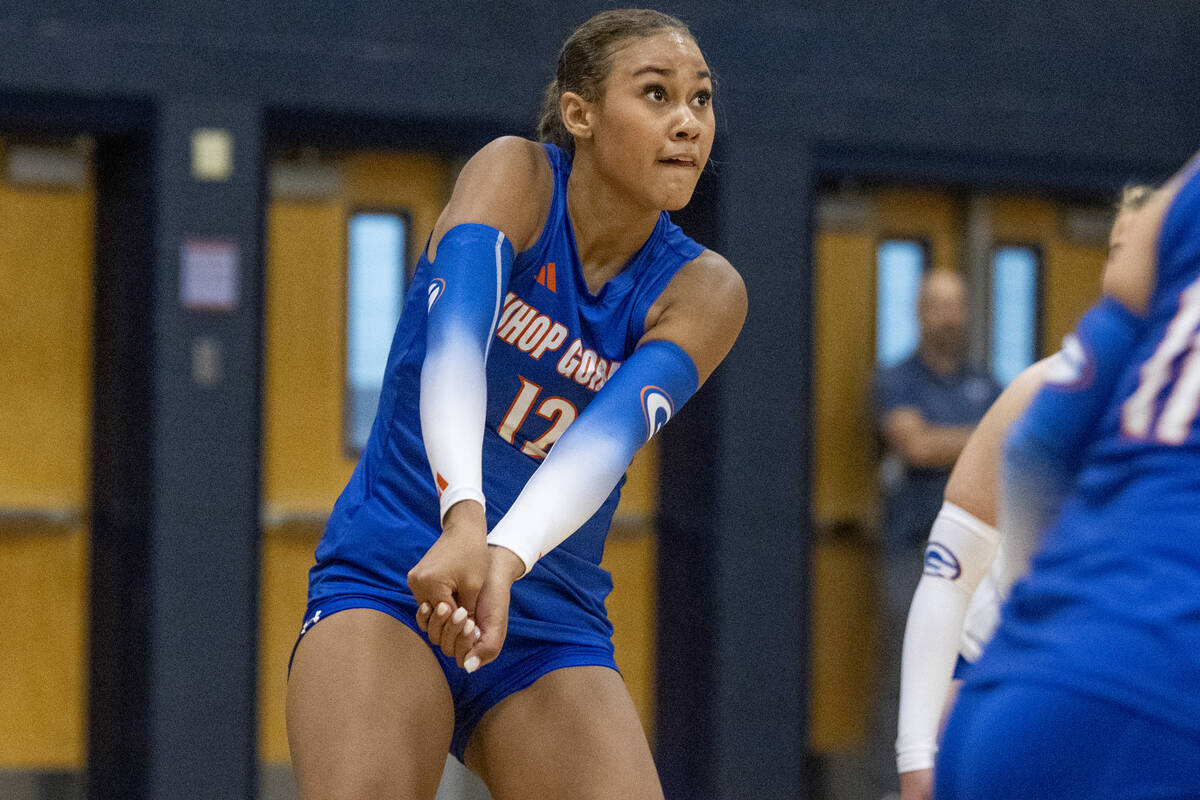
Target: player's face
(654,128)
(1117,234)
(1129,271)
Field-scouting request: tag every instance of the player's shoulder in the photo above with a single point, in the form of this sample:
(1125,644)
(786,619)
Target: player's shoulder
(712,285)
(716,273)
(507,159)
(508,184)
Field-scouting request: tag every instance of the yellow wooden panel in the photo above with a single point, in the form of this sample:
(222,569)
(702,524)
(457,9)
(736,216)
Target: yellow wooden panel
(630,554)
(418,182)
(45,327)
(286,556)
(639,496)
(1072,285)
(45,422)
(844,657)
(305,464)
(1070,271)
(43,660)
(933,216)
(844,484)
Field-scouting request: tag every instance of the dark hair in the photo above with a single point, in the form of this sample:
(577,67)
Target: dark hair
(586,58)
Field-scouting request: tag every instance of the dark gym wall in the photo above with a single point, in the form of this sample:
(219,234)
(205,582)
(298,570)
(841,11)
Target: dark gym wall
(1037,94)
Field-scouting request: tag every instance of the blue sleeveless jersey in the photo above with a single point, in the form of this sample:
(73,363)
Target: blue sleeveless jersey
(1111,606)
(553,348)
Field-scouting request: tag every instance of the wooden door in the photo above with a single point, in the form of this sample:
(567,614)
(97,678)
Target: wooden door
(46,256)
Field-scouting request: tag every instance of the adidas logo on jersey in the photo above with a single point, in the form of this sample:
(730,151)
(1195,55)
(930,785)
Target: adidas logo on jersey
(546,276)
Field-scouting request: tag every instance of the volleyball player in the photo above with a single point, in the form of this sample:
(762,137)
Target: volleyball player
(1089,687)
(968,570)
(557,320)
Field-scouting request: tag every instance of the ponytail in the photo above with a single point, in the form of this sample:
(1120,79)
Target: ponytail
(550,126)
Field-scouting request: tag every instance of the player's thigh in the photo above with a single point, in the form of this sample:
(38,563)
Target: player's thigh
(573,733)
(368,710)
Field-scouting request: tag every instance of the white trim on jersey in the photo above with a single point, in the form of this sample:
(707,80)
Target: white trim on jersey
(499,292)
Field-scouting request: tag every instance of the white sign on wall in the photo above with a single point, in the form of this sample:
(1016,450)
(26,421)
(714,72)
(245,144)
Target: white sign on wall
(208,274)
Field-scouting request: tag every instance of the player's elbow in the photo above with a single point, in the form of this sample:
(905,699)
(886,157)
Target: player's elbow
(1020,448)
(1031,458)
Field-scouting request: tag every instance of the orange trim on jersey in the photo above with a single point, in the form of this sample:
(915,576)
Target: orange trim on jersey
(442,483)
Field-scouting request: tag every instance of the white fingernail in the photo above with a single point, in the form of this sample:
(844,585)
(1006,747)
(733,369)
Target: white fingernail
(478,633)
(424,609)
(442,609)
(470,626)
(471,664)
(459,615)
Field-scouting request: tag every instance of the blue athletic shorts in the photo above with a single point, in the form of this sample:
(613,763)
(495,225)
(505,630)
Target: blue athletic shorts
(522,660)
(1031,741)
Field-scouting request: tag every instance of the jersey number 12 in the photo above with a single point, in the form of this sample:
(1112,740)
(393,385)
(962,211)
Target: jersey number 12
(560,411)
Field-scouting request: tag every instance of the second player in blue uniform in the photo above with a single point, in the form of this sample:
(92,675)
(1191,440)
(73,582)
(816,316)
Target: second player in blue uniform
(1089,687)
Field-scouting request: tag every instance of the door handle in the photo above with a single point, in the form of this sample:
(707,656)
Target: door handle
(273,516)
(59,518)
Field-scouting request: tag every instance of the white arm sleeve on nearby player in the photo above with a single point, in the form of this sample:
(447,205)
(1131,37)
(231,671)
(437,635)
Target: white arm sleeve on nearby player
(958,555)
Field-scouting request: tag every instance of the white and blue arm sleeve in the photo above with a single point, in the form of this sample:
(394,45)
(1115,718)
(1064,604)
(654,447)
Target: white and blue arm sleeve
(589,459)
(960,551)
(467,283)
(1044,446)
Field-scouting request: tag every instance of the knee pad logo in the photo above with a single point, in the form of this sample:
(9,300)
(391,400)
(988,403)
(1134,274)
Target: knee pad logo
(658,408)
(940,562)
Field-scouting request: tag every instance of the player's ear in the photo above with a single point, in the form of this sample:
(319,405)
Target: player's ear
(578,115)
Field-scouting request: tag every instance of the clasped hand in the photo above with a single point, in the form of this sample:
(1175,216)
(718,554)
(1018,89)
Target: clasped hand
(462,588)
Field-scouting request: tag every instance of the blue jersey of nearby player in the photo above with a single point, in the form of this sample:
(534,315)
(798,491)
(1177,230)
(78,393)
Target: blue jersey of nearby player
(1111,606)
(554,347)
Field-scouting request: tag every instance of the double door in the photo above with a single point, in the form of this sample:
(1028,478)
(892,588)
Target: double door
(1032,266)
